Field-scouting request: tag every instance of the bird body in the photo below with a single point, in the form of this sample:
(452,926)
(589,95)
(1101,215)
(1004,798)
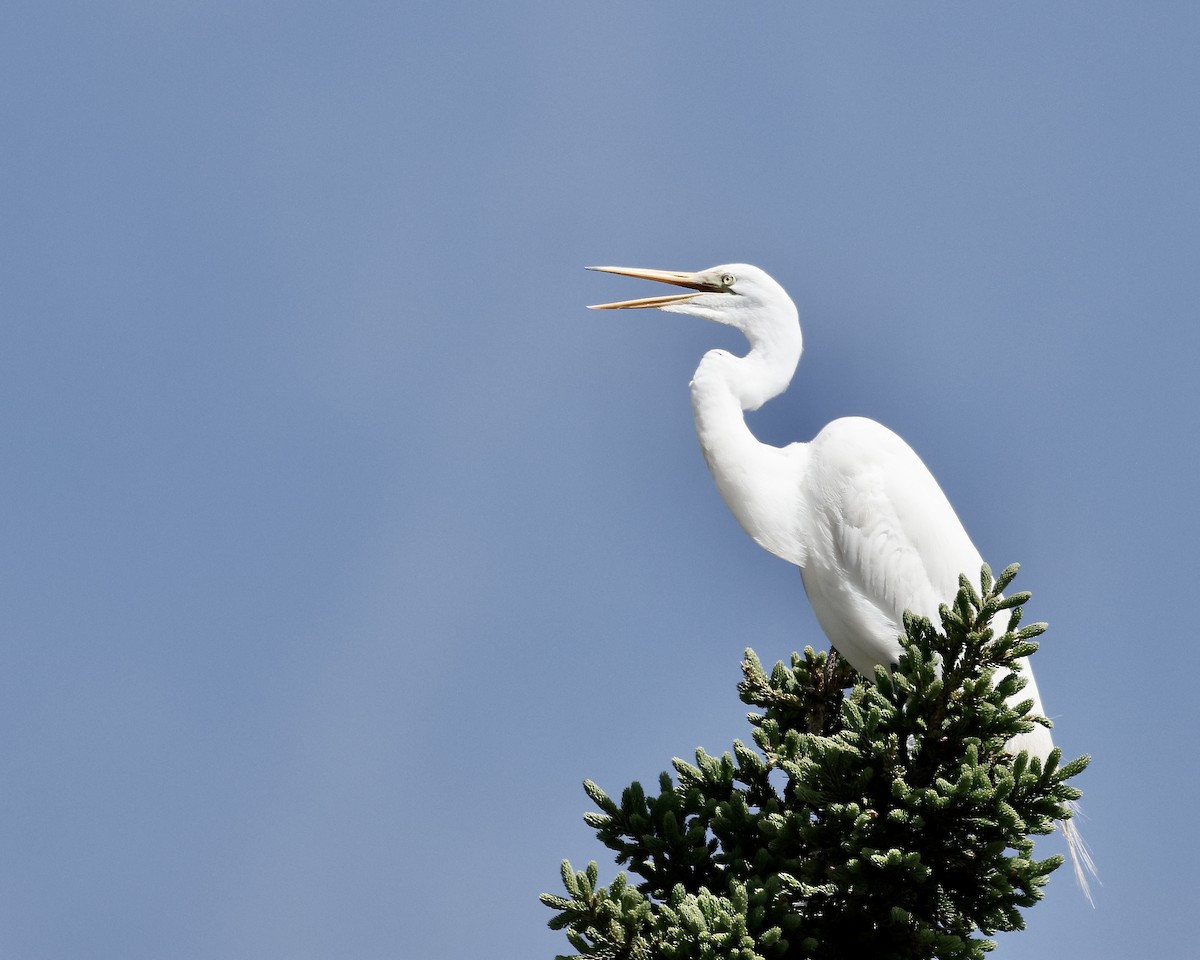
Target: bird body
(855,508)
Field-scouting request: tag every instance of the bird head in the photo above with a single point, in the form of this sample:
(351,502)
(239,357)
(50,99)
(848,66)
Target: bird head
(735,294)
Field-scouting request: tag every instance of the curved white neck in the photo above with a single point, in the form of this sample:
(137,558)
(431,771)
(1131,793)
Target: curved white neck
(756,480)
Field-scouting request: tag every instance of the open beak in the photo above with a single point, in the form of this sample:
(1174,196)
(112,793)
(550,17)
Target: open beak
(693,281)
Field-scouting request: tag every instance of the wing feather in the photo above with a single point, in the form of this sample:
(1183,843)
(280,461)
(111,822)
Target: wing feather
(892,542)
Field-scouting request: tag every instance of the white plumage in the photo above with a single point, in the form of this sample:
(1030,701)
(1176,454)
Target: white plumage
(855,509)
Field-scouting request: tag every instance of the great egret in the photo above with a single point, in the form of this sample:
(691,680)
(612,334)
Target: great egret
(855,509)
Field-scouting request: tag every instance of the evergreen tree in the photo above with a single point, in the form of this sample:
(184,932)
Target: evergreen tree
(878,818)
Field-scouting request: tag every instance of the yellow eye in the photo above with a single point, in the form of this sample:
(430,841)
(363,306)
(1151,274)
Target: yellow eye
(728,279)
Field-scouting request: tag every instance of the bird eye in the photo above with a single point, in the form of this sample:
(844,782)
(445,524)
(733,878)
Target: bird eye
(728,279)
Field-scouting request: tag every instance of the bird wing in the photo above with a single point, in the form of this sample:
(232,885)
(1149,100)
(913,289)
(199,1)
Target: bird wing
(890,541)
(875,544)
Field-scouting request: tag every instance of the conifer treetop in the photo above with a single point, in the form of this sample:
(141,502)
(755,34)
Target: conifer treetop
(874,817)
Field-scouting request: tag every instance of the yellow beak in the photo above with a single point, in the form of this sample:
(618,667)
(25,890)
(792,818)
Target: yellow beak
(693,281)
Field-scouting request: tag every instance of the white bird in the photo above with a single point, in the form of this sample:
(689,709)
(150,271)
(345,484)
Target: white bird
(855,508)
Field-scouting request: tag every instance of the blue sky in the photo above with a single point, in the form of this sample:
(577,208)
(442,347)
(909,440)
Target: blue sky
(342,542)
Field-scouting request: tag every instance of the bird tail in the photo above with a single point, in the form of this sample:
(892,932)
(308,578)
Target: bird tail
(1081,856)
